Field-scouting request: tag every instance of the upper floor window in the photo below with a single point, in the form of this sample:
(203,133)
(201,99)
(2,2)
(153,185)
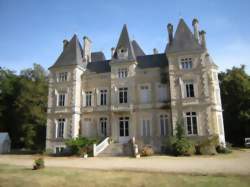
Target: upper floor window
(60,128)
(191,122)
(61,101)
(189,85)
(164,124)
(103,95)
(123,95)
(63,76)
(122,72)
(186,63)
(122,53)
(144,93)
(88,98)
(161,92)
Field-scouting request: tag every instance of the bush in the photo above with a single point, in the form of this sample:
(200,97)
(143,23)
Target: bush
(80,145)
(147,151)
(183,147)
(38,164)
(223,150)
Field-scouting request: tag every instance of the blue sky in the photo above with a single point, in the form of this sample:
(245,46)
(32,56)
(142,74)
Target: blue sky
(32,31)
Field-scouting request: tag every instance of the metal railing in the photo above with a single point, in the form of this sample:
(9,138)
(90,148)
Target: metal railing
(97,149)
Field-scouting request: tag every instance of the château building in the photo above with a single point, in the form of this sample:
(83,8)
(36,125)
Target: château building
(134,94)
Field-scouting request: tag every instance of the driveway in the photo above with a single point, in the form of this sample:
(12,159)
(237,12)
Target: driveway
(236,163)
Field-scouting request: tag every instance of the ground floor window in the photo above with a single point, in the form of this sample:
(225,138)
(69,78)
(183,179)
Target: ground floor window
(60,128)
(145,127)
(164,125)
(124,126)
(103,125)
(191,122)
(59,150)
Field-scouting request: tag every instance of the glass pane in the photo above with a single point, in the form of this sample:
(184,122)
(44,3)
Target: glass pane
(121,128)
(194,125)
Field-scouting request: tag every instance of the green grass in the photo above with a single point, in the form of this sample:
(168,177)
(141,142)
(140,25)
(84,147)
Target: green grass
(21,176)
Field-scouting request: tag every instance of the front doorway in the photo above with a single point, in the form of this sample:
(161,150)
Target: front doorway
(123,129)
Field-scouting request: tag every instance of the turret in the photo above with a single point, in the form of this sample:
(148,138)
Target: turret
(195,24)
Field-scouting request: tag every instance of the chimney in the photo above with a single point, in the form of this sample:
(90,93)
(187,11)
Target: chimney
(203,39)
(195,24)
(155,51)
(65,43)
(87,49)
(112,51)
(170,33)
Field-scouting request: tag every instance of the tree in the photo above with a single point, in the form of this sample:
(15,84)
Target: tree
(235,94)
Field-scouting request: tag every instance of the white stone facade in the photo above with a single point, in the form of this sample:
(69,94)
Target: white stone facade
(130,97)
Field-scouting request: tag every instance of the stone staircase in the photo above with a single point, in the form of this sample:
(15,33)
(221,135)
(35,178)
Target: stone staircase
(116,149)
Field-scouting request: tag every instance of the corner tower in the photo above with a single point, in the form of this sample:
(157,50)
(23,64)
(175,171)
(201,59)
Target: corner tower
(194,86)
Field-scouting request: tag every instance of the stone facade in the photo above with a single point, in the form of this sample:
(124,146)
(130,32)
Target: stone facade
(133,94)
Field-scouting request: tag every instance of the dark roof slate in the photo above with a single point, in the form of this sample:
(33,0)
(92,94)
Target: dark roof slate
(99,66)
(152,61)
(183,40)
(97,56)
(71,55)
(137,49)
(125,42)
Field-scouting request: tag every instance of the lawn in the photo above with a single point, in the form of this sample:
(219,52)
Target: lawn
(23,176)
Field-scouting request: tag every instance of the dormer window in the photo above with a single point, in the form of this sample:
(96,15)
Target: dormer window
(122,72)
(122,53)
(186,63)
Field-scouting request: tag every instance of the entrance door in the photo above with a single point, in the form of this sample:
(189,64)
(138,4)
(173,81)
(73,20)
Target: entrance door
(124,129)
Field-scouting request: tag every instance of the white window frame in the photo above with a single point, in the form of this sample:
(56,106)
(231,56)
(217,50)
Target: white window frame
(123,95)
(163,122)
(145,127)
(122,73)
(186,63)
(61,99)
(103,97)
(189,89)
(88,98)
(193,123)
(144,91)
(60,128)
(63,76)
(104,126)
(162,93)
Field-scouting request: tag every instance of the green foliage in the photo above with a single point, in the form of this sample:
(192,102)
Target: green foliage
(235,94)
(38,164)
(23,103)
(80,145)
(183,147)
(147,151)
(179,145)
(223,150)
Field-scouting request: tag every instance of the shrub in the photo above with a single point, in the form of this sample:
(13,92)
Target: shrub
(168,145)
(183,147)
(224,150)
(38,164)
(147,151)
(80,145)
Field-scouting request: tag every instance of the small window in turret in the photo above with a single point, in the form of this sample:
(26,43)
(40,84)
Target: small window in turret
(186,63)
(63,76)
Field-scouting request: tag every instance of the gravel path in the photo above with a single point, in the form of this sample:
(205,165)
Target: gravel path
(236,163)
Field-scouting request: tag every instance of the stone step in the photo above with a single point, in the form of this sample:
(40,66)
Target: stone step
(116,149)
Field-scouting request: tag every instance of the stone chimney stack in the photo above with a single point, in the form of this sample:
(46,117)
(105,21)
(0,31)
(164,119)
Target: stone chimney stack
(112,51)
(65,43)
(203,39)
(87,49)
(155,51)
(170,33)
(195,24)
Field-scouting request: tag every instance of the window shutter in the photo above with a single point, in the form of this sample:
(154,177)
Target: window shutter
(92,98)
(83,99)
(56,126)
(98,97)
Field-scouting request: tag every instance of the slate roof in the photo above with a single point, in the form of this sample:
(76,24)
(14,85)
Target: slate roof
(97,56)
(137,49)
(152,61)
(183,40)
(99,66)
(125,42)
(71,55)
